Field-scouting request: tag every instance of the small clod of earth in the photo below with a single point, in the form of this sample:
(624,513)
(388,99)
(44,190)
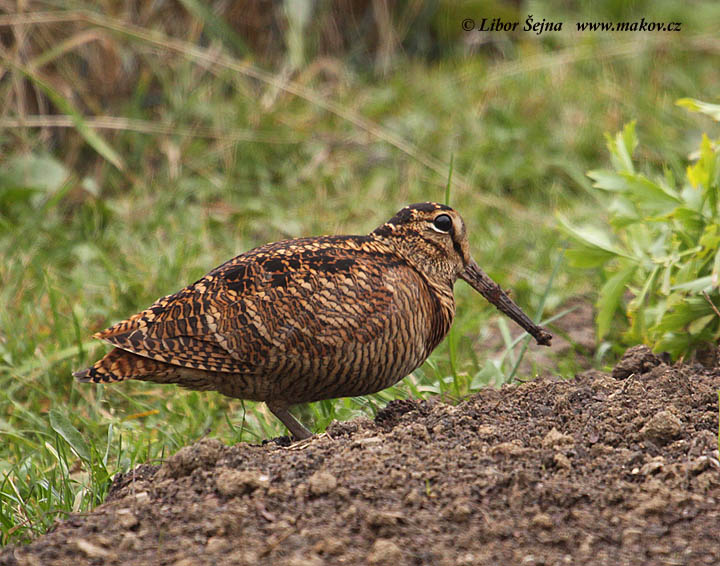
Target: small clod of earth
(617,469)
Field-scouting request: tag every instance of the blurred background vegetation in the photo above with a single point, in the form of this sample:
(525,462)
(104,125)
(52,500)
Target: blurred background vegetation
(143,143)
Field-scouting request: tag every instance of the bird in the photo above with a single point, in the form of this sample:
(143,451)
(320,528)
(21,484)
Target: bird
(311,318)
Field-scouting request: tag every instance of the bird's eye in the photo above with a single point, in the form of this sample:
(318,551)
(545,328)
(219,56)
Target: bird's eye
(442,223)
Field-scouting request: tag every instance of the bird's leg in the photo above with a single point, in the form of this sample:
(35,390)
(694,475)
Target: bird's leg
(280,410)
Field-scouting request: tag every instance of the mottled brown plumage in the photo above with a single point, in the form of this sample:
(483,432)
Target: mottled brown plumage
(309,319)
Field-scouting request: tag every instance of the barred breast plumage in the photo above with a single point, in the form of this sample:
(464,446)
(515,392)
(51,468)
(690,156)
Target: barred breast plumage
(308,319)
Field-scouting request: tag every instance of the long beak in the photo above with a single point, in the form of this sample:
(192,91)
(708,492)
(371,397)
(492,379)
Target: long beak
(481,282)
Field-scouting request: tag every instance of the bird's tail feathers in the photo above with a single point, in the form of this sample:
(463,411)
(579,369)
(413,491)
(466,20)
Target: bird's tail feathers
(119,365)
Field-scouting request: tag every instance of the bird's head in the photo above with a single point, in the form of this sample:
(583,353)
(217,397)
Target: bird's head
(432,237)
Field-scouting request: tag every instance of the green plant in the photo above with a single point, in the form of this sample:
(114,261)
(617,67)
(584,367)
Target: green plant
(659,254)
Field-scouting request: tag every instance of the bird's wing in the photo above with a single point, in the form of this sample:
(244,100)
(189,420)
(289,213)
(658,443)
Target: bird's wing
(277,300)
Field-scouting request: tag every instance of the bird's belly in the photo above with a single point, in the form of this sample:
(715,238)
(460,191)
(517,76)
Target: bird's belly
(351,368)
(329,366)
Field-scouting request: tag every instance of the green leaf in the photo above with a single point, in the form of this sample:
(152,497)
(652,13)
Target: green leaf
(696,326)
(683,314)
(608,180)
(623,212)
(666,278)
(701,174)
(650,194)
(586,258)
(33,171)
(690,220)
(694,105)
(626,145)
(593,238)
(695,286)
(637,302)
(674,343)
(62,425)
(610,296)
(621,148)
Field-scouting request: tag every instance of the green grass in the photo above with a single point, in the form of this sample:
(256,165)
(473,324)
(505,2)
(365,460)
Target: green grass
(220,154)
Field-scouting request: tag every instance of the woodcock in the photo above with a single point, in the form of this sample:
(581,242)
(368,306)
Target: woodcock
(311,318)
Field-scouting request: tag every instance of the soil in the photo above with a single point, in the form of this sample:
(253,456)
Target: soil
(617,468)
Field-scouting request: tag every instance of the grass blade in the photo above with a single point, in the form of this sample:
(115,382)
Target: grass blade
(538,314)
(91,137)
(62,425)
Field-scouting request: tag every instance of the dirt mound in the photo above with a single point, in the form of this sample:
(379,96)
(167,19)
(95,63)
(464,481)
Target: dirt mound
(597,470)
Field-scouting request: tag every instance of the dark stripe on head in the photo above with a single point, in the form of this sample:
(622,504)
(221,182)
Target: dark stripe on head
(428,206)
(458,249)
(403,216)
(406,215)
